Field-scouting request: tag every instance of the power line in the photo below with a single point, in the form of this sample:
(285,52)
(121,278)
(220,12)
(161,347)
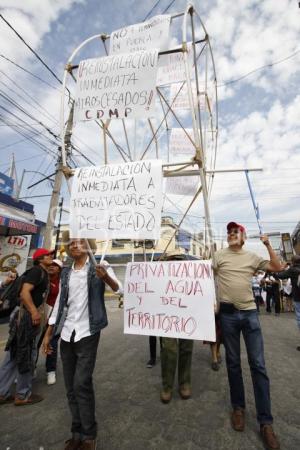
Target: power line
(152,9)
(39,107)
(266,66)
(169,6)
(31,49)
(29,138)
(28,72)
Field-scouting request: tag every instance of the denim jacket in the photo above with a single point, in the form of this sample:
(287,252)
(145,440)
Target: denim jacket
(96,306)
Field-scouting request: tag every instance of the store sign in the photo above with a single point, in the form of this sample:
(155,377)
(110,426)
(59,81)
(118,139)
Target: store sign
(6,184)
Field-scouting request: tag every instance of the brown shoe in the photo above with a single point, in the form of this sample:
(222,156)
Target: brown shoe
(185,391)
(90,444)
(34,398)
(269,437)
(165,396)
(6,400)
(73,444)
(238,419)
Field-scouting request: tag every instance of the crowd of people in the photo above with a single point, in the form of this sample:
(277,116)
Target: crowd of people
(67,303)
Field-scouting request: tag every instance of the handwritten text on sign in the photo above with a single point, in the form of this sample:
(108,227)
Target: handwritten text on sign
(118,201)
(170,299)
(180,99)
(142,36)
(171,68)
(117,86)
(181,142)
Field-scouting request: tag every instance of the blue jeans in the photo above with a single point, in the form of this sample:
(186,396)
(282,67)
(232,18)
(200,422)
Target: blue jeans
(232,325)
(297,312)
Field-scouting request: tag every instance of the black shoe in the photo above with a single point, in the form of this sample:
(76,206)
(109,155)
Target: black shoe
(150,363)
(215,366)
(298,348)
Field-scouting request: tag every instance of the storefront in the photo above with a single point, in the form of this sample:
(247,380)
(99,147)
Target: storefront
(17,226)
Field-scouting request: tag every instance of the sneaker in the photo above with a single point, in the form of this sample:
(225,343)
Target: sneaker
(165,396)
(269,437)
(238,419)
(34,398)
(73,444)
(150,363)
(51,378)
(215,366)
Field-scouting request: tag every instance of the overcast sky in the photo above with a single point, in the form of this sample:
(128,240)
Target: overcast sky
(259,112)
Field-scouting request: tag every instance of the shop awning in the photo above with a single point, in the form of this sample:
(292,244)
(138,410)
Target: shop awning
(10,226)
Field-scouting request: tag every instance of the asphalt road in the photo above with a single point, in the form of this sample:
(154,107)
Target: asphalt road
(130,414)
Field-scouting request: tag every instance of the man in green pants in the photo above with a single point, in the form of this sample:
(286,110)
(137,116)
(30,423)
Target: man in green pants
(176,352)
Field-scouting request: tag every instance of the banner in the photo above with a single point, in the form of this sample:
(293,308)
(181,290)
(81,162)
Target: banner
(180,144)
(118,201)
(6,184)
(142,36)
(171,68)
(170,299)
(116,87)
(182,185)
(180,100)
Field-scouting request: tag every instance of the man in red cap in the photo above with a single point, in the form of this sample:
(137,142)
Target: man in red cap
(234,268)
(25,325)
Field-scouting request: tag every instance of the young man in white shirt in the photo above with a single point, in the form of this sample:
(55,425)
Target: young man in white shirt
(79,314)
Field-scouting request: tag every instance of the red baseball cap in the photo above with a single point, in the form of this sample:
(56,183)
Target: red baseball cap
(231,225)
(42,252)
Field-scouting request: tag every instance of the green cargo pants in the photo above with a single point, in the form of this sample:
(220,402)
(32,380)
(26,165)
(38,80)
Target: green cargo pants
(172,350)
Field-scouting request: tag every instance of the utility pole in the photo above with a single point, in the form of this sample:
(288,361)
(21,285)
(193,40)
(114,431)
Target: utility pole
(48,234)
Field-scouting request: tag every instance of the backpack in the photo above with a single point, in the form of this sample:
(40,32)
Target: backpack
(10,297)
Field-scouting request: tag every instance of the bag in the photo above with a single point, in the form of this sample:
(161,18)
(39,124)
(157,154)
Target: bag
(10,297)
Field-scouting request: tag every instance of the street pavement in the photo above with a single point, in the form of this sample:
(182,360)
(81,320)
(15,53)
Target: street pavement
(130,414)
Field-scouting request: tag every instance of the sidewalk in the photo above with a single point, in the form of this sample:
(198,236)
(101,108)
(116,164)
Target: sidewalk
(130,415)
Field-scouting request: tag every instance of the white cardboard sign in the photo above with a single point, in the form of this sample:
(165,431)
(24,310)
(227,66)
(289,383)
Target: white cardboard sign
(171,68)
(180,144)
(182,185)
(117,201)
(116,87)
(180,100)
(170,299)
(142,36)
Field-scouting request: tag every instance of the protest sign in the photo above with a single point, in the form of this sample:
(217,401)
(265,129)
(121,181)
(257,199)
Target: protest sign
(117,201)
(179,96)
(171,68)
(182,185)
(117,86)
(180,144)
(153,33)
(170,299)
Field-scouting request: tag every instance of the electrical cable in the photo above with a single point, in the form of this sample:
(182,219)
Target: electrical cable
(31,49)
(266,66)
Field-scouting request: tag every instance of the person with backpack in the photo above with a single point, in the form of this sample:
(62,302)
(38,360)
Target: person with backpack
(25,323)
